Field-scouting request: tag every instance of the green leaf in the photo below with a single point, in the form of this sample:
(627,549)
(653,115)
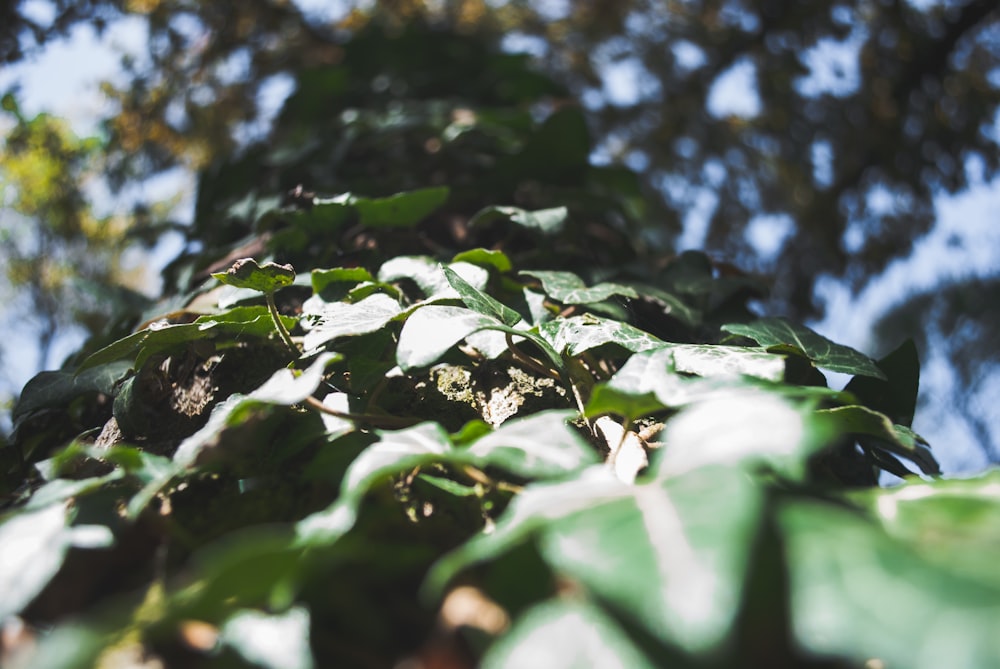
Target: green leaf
(266,278)
(485,258)
(326,321)
(56,389)
(859,594)
(605,399)
(401,210)
(321,278)
(479,301)
(898,439)
(431,330)
(35,544)
(545,221)
(565,634)
(572,336)
(779,332)
(568,288)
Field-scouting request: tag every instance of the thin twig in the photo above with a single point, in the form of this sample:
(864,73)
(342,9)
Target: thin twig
(375,420)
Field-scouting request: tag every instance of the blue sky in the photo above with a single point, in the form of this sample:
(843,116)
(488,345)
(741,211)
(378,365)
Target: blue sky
(965,241)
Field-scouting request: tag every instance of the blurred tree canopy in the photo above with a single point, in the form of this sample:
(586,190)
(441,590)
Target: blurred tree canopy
(854,114)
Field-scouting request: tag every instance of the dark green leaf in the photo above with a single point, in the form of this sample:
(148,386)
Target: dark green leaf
(53,389)
(479,301)
(778,332)
(400,210)
(896,396)
(545,221)
(859,420)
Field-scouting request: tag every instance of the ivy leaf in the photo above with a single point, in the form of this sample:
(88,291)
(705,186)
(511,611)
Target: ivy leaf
(266,278)
(545,221)
(326,321)
(568,288)
(540,445)
(402,210)
(479,301)
(726,361)
(780,334)
(898,439)
(572,336)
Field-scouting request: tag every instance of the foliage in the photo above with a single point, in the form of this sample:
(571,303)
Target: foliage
(451,415)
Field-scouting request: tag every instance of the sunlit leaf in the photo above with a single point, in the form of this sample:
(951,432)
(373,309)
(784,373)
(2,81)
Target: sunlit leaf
(568,288)
(745,426)
(326,321)
(572,336)
(430,331)
(270,641)
(485,258)
(539,445)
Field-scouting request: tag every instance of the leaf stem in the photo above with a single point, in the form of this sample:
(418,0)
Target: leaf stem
(272,309)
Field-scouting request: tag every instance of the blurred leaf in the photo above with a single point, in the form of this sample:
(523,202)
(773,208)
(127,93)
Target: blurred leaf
(667,553)
(565,635)
(545,221)
(401,210)
(266,278)
(775,333)
(34,546)
(746,427)
(859,594)
(270,641)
